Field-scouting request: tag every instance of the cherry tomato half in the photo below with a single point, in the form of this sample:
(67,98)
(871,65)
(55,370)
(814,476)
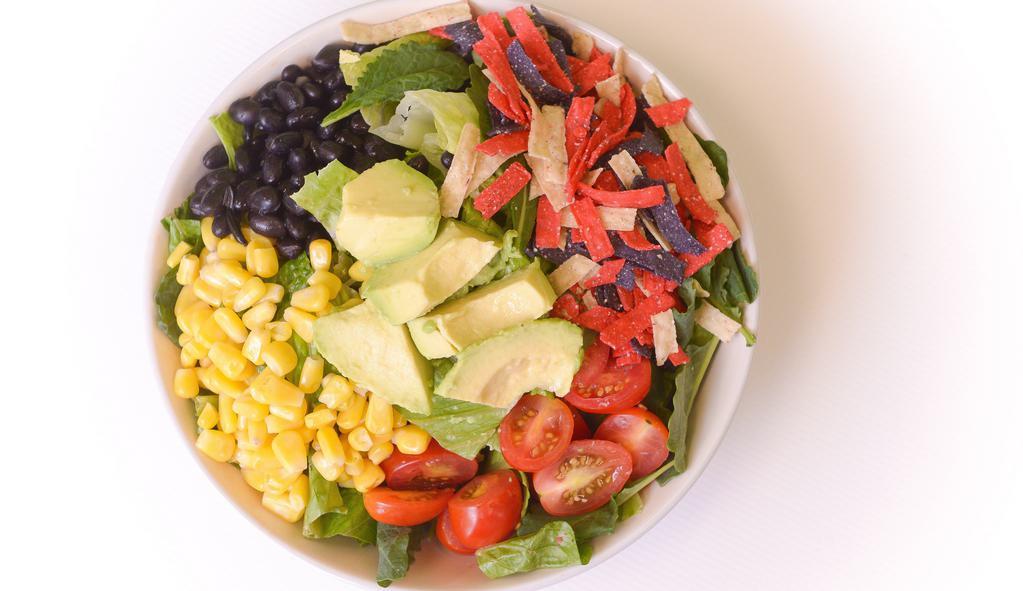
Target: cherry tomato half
(535,432)
(642,434)
(605,389)
(446,535)
(405,507)
(434,468)
(580,429)
(585,478)
(486,510)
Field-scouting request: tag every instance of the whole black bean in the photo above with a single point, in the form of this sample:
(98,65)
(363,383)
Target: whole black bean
(272,169)
(363,47)
(268,225)
(314,93)
(334,80)
(215,157)
(236,227)
(301,161)
(265,94)
(380,149)
(337,98)
(350,139)
(270,120)
(291,72)
(291,206)
(246,164)
(244,111)
(298,227)
(318,232)
(419,163)
(289,248)
(327,57)
(246,188)
(294,183)
(265,200)
(328,151)
(282,143)
(446,158)
(317,74)
(359,162)
(328,132)
(208,201)
(289,97)
(213,177)
(254,134)
(308,137)
(357,124)
(220,226)
(304,118)
(240,201)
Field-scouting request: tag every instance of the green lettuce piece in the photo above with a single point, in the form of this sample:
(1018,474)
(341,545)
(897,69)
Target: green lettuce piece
(520,216)
(395,545)
(472,217)
(629,492)
(459,427)
(334,511)
(167,291)
(353,65)
(293,275)
(553,545)
(429,121)
(320,195)
(477,91)
(687,385)
(718,157)
(182,230)
(749,275)
(631,507)
(231,134)
(599,522)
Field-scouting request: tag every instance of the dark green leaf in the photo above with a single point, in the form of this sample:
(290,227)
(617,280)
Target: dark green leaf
(477,91)
(182,230)
(684,325)
(520,214)
(749,275)
(687,385)
(231,134)
(166,296)
(293,275)
(552,546)
(717,156)
(335,511)
(587,526)
(472,217)
(411,66)
(662,388)
(393,547)
(629,508)
(630,492)
(302,351)
(458,426)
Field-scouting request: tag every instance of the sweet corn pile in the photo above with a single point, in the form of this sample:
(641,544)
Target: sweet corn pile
(255,407)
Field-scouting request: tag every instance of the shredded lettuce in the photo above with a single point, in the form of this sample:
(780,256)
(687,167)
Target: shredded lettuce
(429,121)
(334,511)
(320,195)
(231,134)
(167,291)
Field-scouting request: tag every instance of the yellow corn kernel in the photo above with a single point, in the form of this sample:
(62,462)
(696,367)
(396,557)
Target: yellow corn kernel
(274,293)
(233,274)
(308,434)
(252,348)
(229,359)
(231,324)
(275,424)
(188,269)
(327,279)
(289,506)
(344,480)
(280,357)
(270,388)
(280,480)
(295,414)
(219,446)
(186,383)
(359,271)
(195,349)
(328,470)
(252,410)
(314,298)
(187,356)
(337,392)
(399,419)
(331,445)
(355,464)
(371,477)
(319,254)
(186,298)
(208,257)
(379,416)
(216,381)
(411,439)
(254,436)
(380,451)
(254,478)
(256,242)
(229,249)
(206,292)
(191,315)
(178,253)
(228,418)
(184,339)
(209,239)
(209,333)
(248,294)
(205,362)
(360,439)
(264,262)
(259,315)
(312,374)
(290,449)
(351,416)
(321,417)
(301,322)
(279,330)
(208,417)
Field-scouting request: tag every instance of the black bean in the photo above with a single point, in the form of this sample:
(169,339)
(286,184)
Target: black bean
(291,206)
(350,139)
(289,248)
(265,200)
(270,120)
(301,161)
(215,157)
(328,151)
(220,226)
(254,135)
(327,57)
(314,93)
(244,111)
(446,158)
(304,118)
(308,137)
(220,175)
(208,201)
(236,227)
(380,149)
(419,163)
(291,72)
(357,124)
(363,47)
(244,161)
(265,94)
(359,162)
(337,98)
(334,80)
(318,232)
(318,74)
(289,97)
(245,189)
(268,225)
(330,131)
(272,169)
(282,143)
(298,227)
(293,184)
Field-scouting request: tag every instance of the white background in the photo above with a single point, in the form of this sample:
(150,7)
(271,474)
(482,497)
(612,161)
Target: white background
(878,444)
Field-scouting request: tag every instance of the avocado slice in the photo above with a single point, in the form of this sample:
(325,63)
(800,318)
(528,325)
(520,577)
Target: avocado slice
(389,212)
(376,355)
(542,354)
(523,295)
(413,286)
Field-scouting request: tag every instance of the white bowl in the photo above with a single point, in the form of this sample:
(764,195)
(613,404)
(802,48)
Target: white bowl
(435,568)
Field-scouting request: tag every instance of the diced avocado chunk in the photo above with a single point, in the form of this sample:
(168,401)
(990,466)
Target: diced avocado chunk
(376,355)
(542,354)
(389,212)
(520,297)
(413,286)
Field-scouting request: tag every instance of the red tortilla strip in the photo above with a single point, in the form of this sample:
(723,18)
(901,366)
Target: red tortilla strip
(607,273)
(678,358)
(594,234)
(716,238)
(496,61)
(501,191)
(548,224)
(507,144)
(637,240)
(577,124)
(607,181)
(492,26)
(597,318)
(537,49)
(566,307)
(440,32)
(576,234)
(589,75)
(503,104)
(626,297)
(654,283)
(686,186)
(633,323)
(666,114)
(574,65)
(627,357)
(637,198)
(656,166)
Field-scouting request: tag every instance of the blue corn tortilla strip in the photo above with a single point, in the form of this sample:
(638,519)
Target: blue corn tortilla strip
(642,349)
(554,31)
(607,296)
(527,73)
(557,255)
(463,36)
(666,218)
(658,261)
(560,55)
(650,142)
(627,277)
(642,122)
(499,124)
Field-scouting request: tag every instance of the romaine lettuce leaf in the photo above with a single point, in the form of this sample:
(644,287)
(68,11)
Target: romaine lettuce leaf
(354,69)
(334,511)
(553,545)
(182,230)
(429,121)
(587,526)
(167,291)
(477,91)
(718,157)
(320,195)
(687,385)
(630,492)
(231,134)
(459,427)
(395,545)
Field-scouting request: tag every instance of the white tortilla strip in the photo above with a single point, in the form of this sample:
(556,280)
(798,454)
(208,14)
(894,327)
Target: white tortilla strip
(572,271)
(654,231)
(665,339)
(552,178)
(673,193)
(562,238)
(625,167)
(582,45)
(621,219)
(716,322)
(704,173)
(598,107)
(589,301)
(619,64)
(724,218)
(610,88)
(486,166)
(456,183)
(535,190)
(373,33)
(591,177)
(547,134)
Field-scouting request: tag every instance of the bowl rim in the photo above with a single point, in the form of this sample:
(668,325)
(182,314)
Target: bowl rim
(191,147)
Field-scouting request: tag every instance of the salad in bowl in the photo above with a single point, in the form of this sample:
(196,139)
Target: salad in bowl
(455,277)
